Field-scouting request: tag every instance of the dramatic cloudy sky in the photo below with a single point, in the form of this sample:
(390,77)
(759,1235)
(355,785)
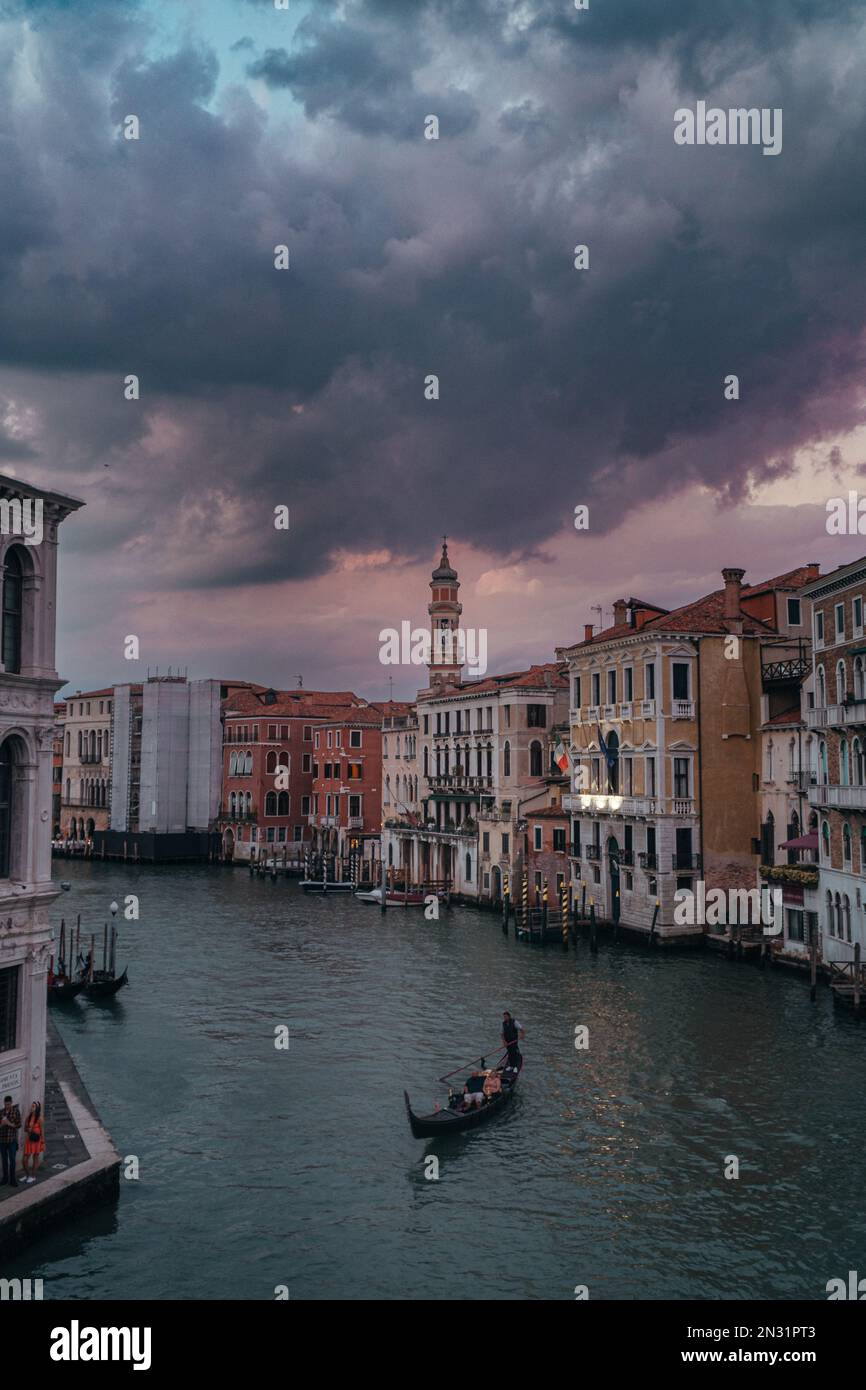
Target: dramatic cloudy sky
(409,256)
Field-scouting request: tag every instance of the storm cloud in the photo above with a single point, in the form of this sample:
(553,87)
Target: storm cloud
(411,257)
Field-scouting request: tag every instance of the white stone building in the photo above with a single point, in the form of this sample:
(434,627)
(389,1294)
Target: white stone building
(28,682)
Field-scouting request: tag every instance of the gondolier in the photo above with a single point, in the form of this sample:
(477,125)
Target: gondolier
(512,1029)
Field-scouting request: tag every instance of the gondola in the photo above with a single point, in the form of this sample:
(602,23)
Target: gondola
(103,985)
(60,988)
(451,1119)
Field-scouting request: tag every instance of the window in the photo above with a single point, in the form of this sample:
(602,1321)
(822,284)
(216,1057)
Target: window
(840,682)
(354,772)
(305,762)
(317,738)
(649,681)
(506,844)
(575,694)
(305,805)
(846,844)
(611,687)
(506,759)
(559,839)
(426,723)
(857,610)
(233,764)
(271,804)
(680,677)
(819,628)
(329,770)
(628,680)
(9,1008)
(308,733)
(271,761)
(650,767)
(681,777)
(354,806)
(12,601)
(272,732)
(596,688)
(354,738)
(794,618)
(506,712)
(535,759)
(839,612)
(284,732)
(283,804)
(485,842)
(537,837)
(298,833)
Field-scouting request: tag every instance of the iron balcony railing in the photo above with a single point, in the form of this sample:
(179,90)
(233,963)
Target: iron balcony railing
(688,862)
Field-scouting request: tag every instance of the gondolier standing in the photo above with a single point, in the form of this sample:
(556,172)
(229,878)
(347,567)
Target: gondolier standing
(512,1029)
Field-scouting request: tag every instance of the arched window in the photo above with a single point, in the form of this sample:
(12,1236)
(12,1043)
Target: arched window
(825,841)
(397,749)
(489,751)
(535,765)
(233,764)
(13,594)
(840,682)
(840,925)
(426,761)
(283,804)
(387,797)
(6,775)
(67,743)
(822,763)
(232,803)
(863,849)
(844,766)
(385,746)
(248,765)
(506,759)
(271,762)
(68,790)
(829,905)
(248,801)
(80,744)
(846,843)
(859,686)
(821,691)
(468,868)
(857,762)
(271,804)
(282,760)
(92,745)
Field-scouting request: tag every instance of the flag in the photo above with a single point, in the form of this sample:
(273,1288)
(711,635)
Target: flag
(609,757)
(560,754)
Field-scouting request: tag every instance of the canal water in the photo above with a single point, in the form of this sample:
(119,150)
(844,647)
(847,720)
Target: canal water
(262,1167)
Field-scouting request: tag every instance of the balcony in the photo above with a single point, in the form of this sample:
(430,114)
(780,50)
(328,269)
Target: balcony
(647,860)
(850,711)
(798,875)
(625,709)
(329,822)
(836,795)
(648,709)
(686,863)
(90,758)
(355,823)
(800,779)
(574,851)
(683,709)
(610,712)
(593,714)
(593,852)
(626,857)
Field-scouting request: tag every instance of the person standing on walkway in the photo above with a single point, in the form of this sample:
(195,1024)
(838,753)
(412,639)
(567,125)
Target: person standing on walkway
(34,1141)
(10,1123)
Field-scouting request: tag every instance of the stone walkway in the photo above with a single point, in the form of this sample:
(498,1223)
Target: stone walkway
(64,1146)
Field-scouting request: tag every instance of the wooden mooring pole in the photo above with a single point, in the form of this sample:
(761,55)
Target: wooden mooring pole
(506,903)
(813,961)
(652,930)
(856,976)
(593,936)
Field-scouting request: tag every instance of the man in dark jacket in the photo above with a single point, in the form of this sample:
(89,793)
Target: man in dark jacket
(512,1029)
(10,1123)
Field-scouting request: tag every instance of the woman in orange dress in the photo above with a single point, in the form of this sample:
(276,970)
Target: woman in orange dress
(34,1141)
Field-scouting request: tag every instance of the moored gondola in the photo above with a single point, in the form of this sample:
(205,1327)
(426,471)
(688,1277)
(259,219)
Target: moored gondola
(61,986)
(103,985)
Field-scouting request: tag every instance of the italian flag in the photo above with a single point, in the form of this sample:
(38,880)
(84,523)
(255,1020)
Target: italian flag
(560,754)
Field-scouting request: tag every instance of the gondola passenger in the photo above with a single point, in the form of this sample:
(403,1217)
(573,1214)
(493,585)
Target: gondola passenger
(473,1091)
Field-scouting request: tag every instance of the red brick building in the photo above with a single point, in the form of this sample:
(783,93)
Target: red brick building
(547,854)
(268,747)
(347,780)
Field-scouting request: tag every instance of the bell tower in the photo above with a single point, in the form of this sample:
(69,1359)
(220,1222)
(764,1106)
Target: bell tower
(446,657)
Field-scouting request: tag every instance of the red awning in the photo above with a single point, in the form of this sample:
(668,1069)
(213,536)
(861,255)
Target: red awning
(809,841)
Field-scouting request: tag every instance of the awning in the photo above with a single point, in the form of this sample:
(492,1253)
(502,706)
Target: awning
(802,842)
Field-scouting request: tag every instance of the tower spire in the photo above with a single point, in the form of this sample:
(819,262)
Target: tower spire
(445,609)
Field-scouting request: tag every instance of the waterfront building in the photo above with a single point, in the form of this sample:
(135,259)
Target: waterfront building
(837,721)
(401,789)
(267,792)
(57,767)
(166,768)
(86,780)
(346,815)
(28,684)
(484,758)
(548,851)
(665,713)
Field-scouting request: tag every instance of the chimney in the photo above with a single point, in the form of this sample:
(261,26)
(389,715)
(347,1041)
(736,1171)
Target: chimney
(587,632)
(620,609)
(733,585)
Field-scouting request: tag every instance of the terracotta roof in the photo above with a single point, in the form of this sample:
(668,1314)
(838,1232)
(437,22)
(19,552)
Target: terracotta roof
(88,694)
(294,703)
(548,813)
(793,579)
(785,716)
(532,679)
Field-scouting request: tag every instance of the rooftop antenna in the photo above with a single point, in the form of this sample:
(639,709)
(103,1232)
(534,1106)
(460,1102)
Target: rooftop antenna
(391,689)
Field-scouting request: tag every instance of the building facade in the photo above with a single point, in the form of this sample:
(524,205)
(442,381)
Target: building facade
(837,721)
(346,814)
(86,796)
(666,709)
(268,755)
(28,683)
